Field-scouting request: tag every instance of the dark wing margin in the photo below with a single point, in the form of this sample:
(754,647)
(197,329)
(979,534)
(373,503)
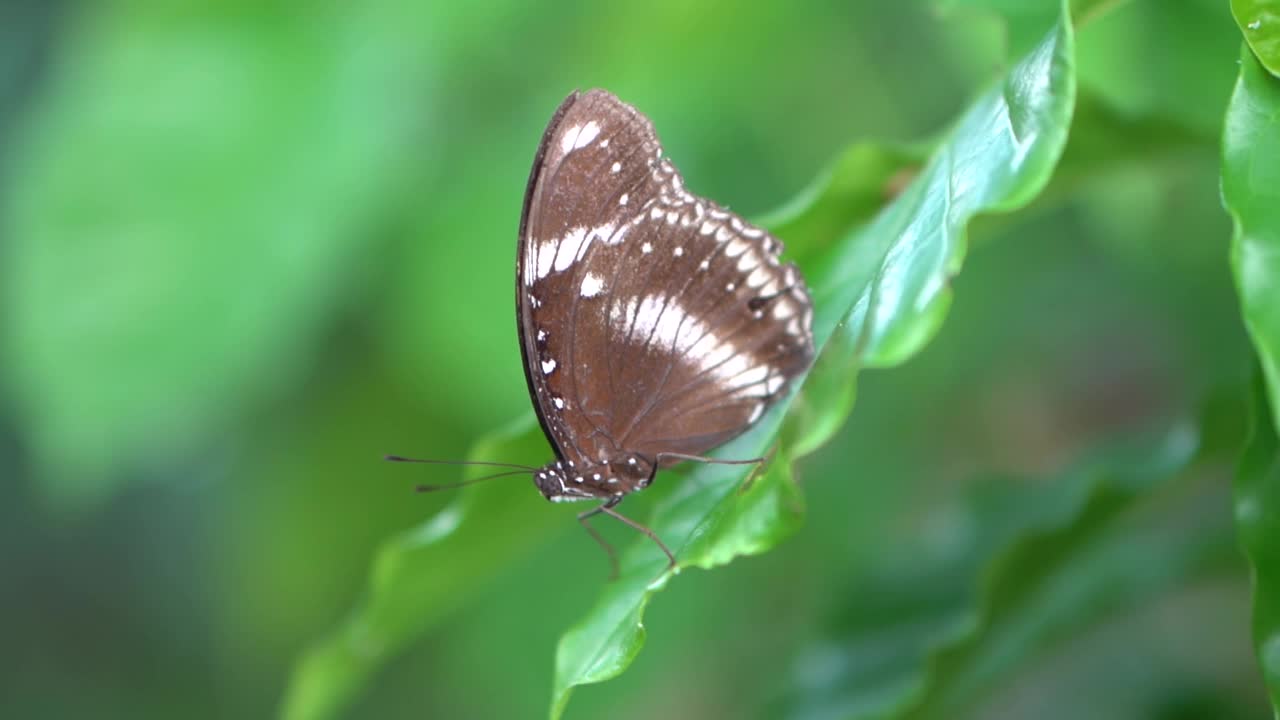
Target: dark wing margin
(523,324)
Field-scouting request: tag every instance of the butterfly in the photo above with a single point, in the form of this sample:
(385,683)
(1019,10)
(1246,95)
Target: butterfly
(654,325)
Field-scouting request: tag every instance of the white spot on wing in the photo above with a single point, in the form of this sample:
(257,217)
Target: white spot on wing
(679,251)
(616,237)
(579,136)
(570,137)
(602,233)
(558,402)
(591,285)
(657,320)
(617,166)
(623,200)
(735,248)
(745,376)
(570,244)
(646,248)
(546,256)
(715,352)
(548,366)
(665,323)
(619,313)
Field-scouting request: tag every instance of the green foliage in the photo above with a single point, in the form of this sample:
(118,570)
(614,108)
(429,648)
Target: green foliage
(246,250)
(1259,22)
(1258,523)
(1251,192)
(1038,560)
(419,576)
(1146,59)
(118,192)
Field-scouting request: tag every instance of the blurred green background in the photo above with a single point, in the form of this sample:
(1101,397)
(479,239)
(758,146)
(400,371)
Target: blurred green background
(248,248)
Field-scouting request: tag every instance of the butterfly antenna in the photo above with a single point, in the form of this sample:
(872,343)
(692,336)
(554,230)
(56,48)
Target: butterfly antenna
(464,483)
(402,459)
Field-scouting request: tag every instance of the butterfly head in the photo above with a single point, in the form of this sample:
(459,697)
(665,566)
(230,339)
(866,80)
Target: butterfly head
(567,480)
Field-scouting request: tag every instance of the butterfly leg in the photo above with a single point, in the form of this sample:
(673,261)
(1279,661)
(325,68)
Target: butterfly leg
(584,518)
(708,460)
(758,462)
(607,509)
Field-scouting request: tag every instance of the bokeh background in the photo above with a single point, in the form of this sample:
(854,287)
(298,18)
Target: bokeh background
(248,248)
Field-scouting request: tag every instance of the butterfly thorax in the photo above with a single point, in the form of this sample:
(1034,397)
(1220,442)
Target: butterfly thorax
(567,480)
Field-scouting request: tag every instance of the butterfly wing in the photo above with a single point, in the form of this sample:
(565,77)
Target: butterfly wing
(651,320)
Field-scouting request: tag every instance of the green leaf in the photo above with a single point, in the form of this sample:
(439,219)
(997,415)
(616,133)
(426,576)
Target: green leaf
(1259,21)
(421,575)
(880,293)
(1257,513)
(1251,193)
(1074,570)
(178,232)
(1025,564)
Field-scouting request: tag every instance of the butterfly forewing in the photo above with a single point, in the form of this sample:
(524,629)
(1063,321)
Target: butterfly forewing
(651,320)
